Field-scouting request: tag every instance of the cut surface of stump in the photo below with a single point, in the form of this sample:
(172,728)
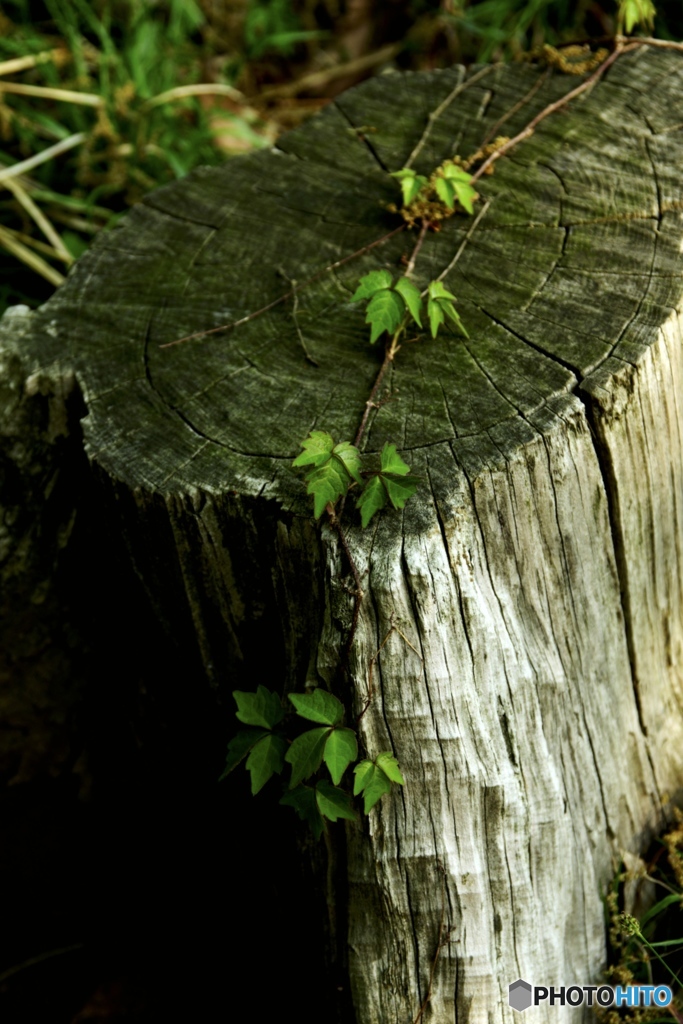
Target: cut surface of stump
(532,688)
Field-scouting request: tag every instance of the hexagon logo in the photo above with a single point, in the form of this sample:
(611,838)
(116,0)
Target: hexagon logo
(519,995)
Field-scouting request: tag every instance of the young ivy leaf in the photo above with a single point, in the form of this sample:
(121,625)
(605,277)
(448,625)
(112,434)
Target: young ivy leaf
(392,484)
(333,803)
(410,183)
(335,466)
(455,184)
(440,305)
(373,282)
(388,302)
(372,782)
(305,754)
(340,750)
(389,765)
(319,706)
(303,800)
(410,294)
(327,484)
(317,449)
(391,461)
(374,778)
(384,313)
(261,708)
(238,748)
(350,457)
(266,758)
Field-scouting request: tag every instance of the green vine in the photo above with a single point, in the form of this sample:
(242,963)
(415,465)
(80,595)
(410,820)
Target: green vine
(335,471)
(332,472)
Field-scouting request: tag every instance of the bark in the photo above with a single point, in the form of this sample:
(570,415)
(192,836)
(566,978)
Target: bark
(533,687)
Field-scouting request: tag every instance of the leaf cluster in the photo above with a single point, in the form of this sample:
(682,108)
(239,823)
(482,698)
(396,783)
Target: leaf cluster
(338,467)
(446,191)
(335,468)
(636,12)
(393,303)
(267,749)
(374,778)
(389,302)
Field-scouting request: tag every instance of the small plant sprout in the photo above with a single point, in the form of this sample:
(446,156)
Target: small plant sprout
(448,190)
(335,468)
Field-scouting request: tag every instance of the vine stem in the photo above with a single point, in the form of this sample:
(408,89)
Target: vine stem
(553,107)
(461,247)
(391,349)
(664,44)
(492,132)
(389,355)
(418,246)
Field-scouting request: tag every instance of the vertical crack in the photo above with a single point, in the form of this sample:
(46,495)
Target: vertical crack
(605,465)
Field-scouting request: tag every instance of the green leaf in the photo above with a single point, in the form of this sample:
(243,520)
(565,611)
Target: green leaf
(266,758)
(350,457)
(456,173)
(260,708)
(389,765)
(384,313)
(459,180)
(658,907)
(238,748)
(436,315)
(446,192)
(400,488)
(392,462)
(372,498)
(327,484)
(372,782)
(466,196)
(410,182)
(436,290)
(410,294)
(317,449)
(340,750)
(440,306)
(333,803)
(303,800)
(637,12)
(319,706)
(372,283)
(334,467)
(451,312)
(362,773)
(305,754)
(390,484)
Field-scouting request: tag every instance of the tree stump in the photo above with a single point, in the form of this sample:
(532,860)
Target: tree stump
(528,600)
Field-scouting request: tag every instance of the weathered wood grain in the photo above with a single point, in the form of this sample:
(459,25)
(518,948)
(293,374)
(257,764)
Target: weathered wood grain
(537,711)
